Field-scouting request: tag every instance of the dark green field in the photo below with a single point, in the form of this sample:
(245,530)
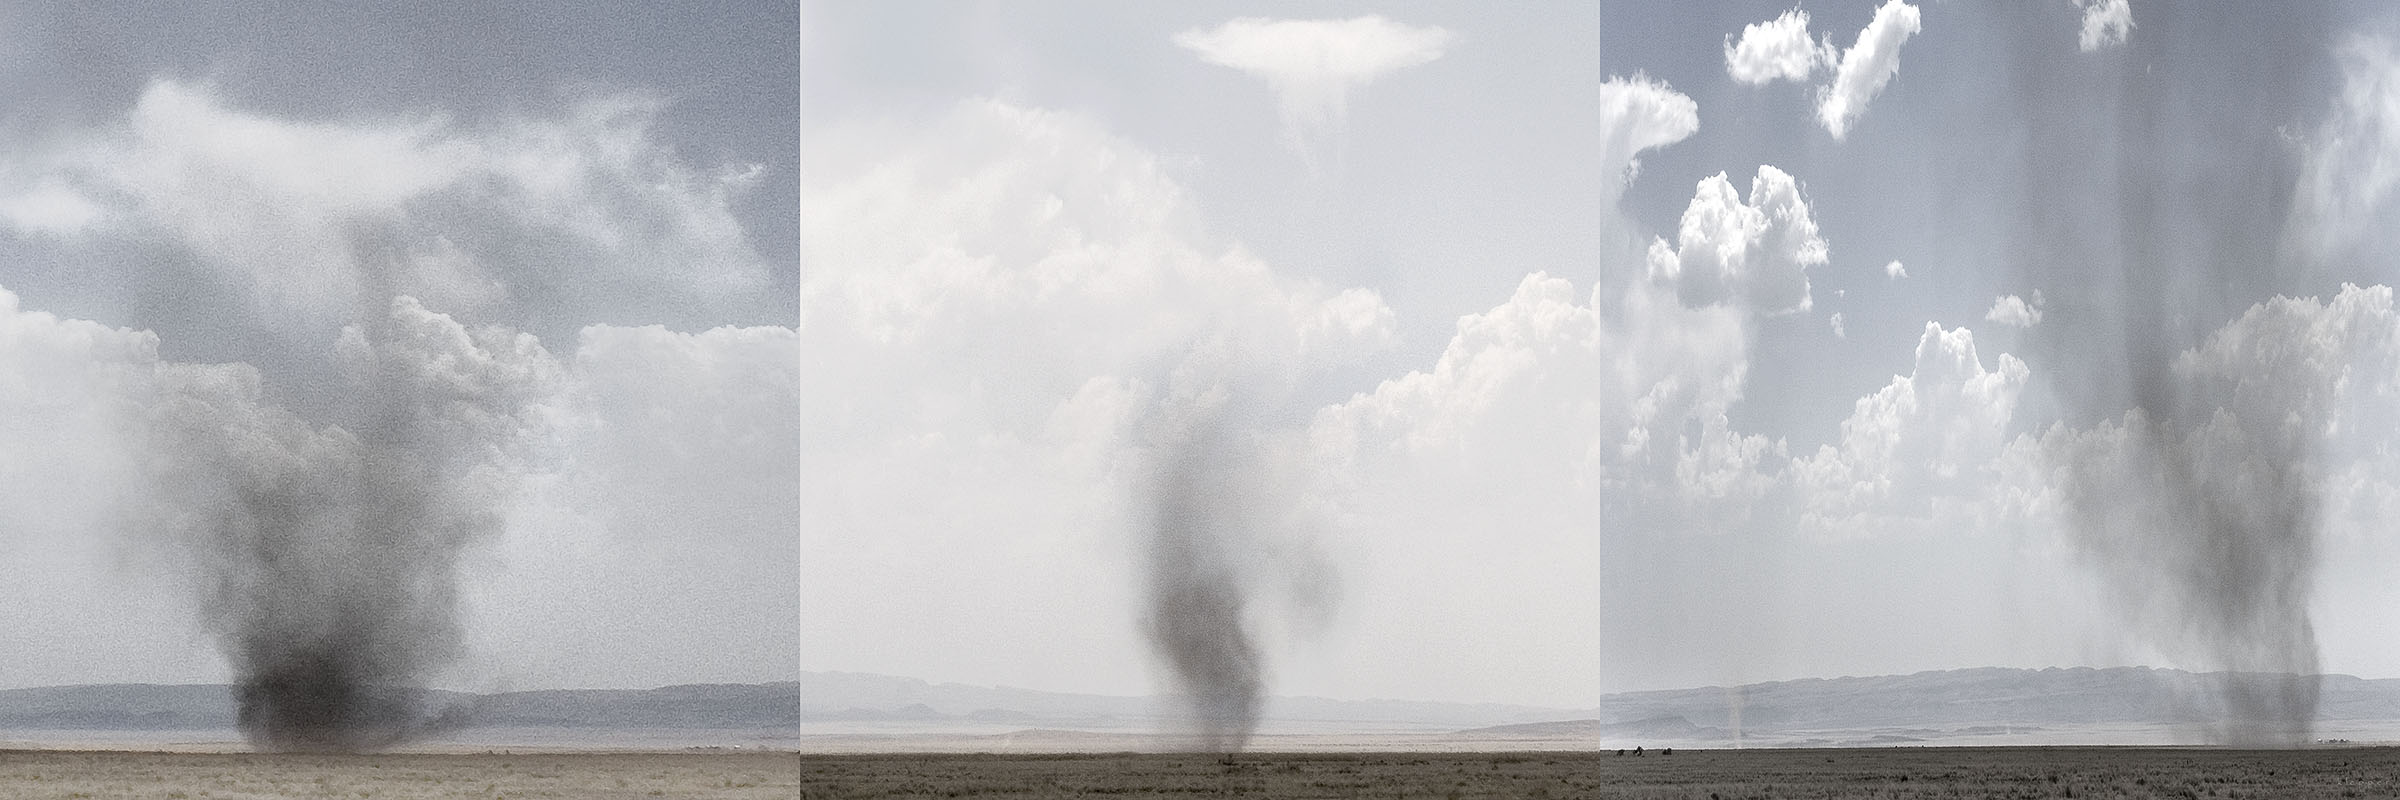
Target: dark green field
(1998,772)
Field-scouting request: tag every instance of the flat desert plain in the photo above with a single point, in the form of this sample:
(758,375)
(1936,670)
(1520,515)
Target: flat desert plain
(30,774)
(1944,772)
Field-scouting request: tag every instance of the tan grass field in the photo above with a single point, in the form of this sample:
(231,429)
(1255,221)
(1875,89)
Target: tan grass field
(35,774)
(1916,772)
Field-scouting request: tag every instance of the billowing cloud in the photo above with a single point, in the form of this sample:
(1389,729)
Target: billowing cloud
(1895,270)
(358,239)
(652,458)
(2346,193)
(1836,322)
(2105,23)
(672,464)
(584,212)
(1011,316)
(1642,113)
(2015,312)
(1925,446)
(1475,471)
(1778,49)
(1866,67)
(49,207)
(2207,522)
(1754,252)
(1312,65)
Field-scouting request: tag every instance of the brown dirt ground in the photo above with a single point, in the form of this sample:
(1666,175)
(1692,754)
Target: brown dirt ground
(1928,772)
(31,774)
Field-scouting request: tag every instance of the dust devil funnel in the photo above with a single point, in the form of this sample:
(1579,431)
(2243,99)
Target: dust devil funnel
(1199,589)
(2192,486)
(328,554)
(2207,530)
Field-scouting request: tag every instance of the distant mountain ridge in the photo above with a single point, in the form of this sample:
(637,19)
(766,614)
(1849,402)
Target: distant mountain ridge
(1984,696)
(865,697)
(155,707)
(1961,700)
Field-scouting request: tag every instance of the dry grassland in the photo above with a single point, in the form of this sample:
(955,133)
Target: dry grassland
(30,774)
(1998,772)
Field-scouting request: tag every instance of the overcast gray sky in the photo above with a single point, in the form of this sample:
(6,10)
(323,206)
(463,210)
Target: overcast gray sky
(213,205)
(1596,348)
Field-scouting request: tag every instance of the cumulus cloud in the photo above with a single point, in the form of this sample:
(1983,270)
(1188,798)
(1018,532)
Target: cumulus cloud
(651,459)
(1010,314)
(2207,521)
(1924,445)
(358,238)
(672,464)
(1836,322)
(1866,67)
(2105,23)
(1543,413)
(1754,252)
(68,391)
(49,206)
(1642,113)
(584,211)
(1312,65)
(1778,49)
(1485,461)
(1895,270)
(2015,312)
(2345,197)
(1046,219)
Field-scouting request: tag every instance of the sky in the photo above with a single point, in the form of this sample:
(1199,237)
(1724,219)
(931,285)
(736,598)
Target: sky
(1581,348)
(459,337)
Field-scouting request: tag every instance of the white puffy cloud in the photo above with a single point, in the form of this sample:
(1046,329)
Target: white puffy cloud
(1836,322)
(49,206)
(2105,23)
(669,497)
(1312,65)
(654,464)
(73,396)
(1753,252)
(2351,166)
(1477,471)
(1008,312)
(639,491)
(1895,270)
(1778,49)
(1006,218)
(2015,312)
(1642,113)
(313,216)
(2305,365)
(1866,67)
(68,390)
(1924,447)
(2207,521)
(2307,377)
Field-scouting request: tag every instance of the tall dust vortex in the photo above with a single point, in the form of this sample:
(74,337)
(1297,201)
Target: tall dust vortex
(1199,591)
(2154,182)
(327,555)
(1198,594)
(1229,548)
